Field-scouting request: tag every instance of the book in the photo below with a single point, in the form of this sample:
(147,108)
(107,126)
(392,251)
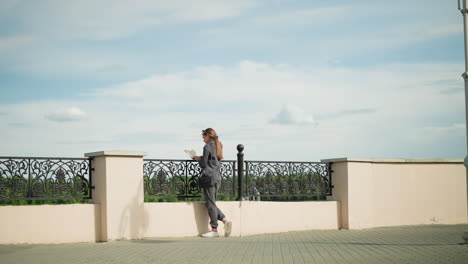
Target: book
(191,153)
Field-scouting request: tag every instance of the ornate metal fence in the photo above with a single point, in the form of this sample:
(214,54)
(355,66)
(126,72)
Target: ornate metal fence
(286,179)
(32,178)
(169,178)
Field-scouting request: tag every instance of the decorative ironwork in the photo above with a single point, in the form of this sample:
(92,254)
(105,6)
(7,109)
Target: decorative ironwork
(166,178)
(30,178)
(278,178)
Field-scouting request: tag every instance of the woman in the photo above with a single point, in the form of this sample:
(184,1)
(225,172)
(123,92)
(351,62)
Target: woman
(212,154)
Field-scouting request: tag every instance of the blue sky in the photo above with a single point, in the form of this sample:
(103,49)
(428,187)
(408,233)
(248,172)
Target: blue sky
(291,80)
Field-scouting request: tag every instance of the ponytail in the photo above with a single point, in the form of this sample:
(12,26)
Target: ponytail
(219,149)
(219,146)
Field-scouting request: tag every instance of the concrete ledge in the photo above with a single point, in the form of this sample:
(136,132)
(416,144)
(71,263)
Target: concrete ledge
(183,219)
(396,160)
(125,153)
(61,223)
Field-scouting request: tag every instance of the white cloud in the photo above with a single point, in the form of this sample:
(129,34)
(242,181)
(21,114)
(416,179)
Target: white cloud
(459,126)
(111,19)
(66,115)
(211,84)
(453,127)
(383,112)
(348,113)
(444,30)
(292,115)
(308,16)
(16,42)
(213,31)
(49,39)
(210,9)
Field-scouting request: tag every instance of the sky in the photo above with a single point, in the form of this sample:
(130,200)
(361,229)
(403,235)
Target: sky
(290,80)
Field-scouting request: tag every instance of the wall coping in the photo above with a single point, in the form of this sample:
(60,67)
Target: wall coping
(394,160)
(125,153)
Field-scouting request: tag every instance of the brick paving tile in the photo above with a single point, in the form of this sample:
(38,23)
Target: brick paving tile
(404,244)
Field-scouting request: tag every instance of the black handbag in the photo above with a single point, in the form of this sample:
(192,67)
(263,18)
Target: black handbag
(205,181)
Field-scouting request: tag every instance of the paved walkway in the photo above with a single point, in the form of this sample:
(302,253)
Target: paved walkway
(409,244)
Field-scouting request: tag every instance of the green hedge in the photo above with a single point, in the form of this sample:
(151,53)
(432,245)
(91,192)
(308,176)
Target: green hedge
(158,200)
(273,198)
(196,199)
(38,202)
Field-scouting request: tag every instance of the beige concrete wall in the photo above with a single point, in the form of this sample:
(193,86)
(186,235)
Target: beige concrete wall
(359,203)
(400,192)
(274,217)
(81,222)
(183,218)
(367,193)
(249,217)
(49,223)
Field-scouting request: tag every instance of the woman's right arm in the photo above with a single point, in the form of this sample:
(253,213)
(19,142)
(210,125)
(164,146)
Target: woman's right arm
(204,159)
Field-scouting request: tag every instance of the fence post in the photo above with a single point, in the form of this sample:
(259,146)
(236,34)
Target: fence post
(240,172)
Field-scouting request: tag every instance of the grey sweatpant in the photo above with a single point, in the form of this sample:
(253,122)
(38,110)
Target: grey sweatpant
(210,202)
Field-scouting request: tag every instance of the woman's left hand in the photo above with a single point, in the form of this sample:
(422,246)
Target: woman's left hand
(196,157)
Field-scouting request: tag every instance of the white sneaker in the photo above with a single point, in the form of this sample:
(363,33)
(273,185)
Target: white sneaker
(210,234)
(227,228)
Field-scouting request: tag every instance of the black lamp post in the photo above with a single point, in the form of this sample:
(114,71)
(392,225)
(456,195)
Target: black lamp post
(463,8)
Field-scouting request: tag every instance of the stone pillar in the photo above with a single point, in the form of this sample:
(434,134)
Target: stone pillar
(118,181)
(340,191)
